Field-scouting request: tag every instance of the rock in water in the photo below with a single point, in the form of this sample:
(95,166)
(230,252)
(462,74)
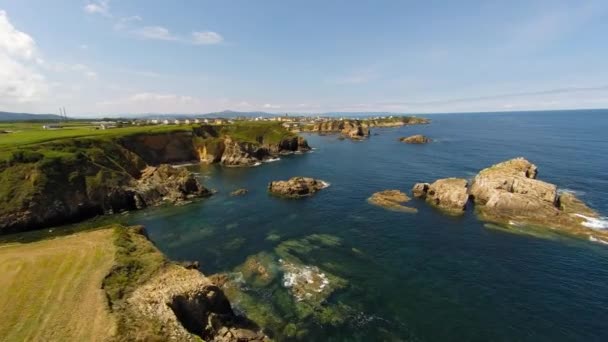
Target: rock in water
(415,139)
(392,200)
(239,192)
(509,193)
(420,189)
(296,187)
(449,194)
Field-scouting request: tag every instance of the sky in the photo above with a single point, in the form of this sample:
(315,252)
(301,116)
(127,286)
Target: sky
(111,57)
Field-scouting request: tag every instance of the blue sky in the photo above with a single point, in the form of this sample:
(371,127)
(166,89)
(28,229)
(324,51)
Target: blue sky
(111,57)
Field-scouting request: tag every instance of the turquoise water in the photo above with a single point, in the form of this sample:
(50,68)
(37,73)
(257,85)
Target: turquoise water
(424,276)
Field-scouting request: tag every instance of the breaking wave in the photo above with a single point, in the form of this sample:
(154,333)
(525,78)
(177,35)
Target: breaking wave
(595,222)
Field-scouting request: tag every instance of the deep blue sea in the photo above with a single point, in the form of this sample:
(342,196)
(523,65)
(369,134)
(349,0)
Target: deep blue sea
(423,276)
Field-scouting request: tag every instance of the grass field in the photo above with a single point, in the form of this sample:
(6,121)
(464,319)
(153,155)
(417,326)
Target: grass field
(51,289)
(32,133)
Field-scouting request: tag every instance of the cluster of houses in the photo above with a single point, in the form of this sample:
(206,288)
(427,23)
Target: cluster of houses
(289,122)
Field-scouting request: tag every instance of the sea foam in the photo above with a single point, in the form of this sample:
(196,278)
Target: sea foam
(594,239)
(595,222)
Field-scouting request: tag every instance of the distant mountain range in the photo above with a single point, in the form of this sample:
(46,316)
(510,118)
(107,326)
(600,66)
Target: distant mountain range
(8,116)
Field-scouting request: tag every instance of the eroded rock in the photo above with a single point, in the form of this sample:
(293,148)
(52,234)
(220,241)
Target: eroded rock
(449,194)
(239,192)
(296,187)
(415,139)
(165,183)
(392,200)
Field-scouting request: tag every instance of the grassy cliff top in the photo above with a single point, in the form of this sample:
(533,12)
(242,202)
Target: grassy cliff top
(271,132)
(29,137)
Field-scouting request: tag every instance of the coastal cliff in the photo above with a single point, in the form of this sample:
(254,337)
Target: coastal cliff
(66,180)
(155,299)
(359,129)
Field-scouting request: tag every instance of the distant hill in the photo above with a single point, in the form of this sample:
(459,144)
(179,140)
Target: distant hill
(230,114)
(8,116)
(227,114)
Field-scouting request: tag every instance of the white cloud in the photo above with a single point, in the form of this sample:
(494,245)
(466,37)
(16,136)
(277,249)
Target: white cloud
(271,106)
(163,33)
(154,32)
(101,7)
(124,22)
(14,42)
(19,60)
(206,38)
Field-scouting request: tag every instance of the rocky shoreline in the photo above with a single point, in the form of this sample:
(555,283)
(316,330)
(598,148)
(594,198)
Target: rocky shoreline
(87,177)
(360,129)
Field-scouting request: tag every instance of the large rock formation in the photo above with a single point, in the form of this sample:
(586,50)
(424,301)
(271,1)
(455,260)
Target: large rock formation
(157,300)
(166,183)
(235,152)
(187,305)
(391,200)
(415,139)
(449,194)
(509,193)
(296,187)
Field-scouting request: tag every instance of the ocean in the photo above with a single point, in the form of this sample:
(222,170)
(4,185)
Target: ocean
(421,276)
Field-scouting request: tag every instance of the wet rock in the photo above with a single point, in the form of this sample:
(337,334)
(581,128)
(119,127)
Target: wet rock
(392,200)
(239,192)
(189,265)
(419,190)
(296,187)
(415,139)
(449,194)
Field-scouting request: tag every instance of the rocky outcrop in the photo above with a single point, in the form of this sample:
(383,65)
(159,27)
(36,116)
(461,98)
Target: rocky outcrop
(188,305)
(234,152)
(359,129)
(508,193)
(239,192)
(166,183)
(391,200)
(449,194)
(415,139)
(154,299)
(296,187)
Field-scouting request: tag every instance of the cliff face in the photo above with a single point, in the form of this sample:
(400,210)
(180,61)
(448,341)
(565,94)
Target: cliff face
(155,149)
(73,179)
(101,177)
(214,146)
(156,300)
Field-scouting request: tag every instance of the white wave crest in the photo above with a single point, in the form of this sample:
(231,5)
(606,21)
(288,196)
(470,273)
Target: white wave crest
(270,160)
(325,184)
(594,239)
(570,191)
(595,222)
